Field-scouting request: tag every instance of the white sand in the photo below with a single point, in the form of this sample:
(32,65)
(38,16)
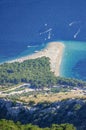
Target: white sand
(54,51)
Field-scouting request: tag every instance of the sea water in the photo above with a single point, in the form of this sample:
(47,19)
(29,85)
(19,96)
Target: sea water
(26,27)
(13,51)
(73,63)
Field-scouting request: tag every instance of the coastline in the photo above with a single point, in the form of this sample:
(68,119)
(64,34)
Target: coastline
(54,50)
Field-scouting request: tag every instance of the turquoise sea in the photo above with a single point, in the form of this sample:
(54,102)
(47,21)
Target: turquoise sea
(27,26)
(73,63)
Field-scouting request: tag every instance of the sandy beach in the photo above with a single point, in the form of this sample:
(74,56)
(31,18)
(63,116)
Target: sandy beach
(54,50)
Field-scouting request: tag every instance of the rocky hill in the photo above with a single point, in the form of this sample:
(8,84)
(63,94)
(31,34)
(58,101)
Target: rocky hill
(44,114)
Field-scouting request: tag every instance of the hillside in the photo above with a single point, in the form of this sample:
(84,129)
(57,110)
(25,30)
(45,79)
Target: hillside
(61,101)
(44,114)
(37,72)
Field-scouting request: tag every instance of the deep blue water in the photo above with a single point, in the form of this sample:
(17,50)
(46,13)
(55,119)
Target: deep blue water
(27,25)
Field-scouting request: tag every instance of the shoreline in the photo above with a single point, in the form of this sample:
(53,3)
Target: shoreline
(53,50)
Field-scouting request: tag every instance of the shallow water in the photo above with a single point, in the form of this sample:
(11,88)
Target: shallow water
(37,22)
(74,60)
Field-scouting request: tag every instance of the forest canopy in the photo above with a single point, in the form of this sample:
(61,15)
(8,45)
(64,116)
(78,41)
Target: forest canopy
(10,125)
(37,72)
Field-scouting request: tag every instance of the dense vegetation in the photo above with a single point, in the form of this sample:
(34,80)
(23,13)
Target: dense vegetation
(10,125)
(35,71)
